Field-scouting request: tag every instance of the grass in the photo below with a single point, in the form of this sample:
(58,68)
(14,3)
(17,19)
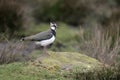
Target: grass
(67,65)
(23,71)
(11,52)
(9,71)
(47,69)
(102,46)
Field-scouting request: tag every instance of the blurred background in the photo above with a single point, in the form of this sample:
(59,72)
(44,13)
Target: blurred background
(90,27)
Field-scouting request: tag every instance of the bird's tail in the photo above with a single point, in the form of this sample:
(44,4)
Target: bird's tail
(30,38)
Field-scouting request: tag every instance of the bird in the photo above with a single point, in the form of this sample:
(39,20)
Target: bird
(45,38)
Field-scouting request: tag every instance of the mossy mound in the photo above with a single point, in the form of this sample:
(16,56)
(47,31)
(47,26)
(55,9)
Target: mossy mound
(55,66)
(65,61)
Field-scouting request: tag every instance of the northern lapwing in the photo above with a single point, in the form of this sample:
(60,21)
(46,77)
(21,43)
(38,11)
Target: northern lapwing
(44,38)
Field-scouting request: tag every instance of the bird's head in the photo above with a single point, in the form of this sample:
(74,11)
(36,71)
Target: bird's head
(53,25)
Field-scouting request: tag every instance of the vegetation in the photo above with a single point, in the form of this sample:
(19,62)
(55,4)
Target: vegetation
(42,68)
(90,27)
(12,17)
(75,40)
(11,52)
(77,12)
(23,71)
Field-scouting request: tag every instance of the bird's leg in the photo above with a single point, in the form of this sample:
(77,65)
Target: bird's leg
(45,50)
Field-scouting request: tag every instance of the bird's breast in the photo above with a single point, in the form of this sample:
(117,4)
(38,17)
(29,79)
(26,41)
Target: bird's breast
(46,42)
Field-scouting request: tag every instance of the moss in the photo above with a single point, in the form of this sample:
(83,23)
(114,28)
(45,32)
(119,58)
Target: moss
(66,61)
(53,67)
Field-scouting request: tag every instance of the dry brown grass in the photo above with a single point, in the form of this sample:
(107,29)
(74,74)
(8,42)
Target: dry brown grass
(103,46)
(12,52)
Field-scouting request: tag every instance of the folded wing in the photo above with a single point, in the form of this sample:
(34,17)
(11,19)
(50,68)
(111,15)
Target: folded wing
(40,36)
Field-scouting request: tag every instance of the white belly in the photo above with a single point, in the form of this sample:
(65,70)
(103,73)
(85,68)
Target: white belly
(46,42)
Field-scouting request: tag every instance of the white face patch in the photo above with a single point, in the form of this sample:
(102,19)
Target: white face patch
(53,28)
(52,25)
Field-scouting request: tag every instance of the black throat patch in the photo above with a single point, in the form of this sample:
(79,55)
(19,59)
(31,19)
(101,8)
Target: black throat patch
(53,32)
